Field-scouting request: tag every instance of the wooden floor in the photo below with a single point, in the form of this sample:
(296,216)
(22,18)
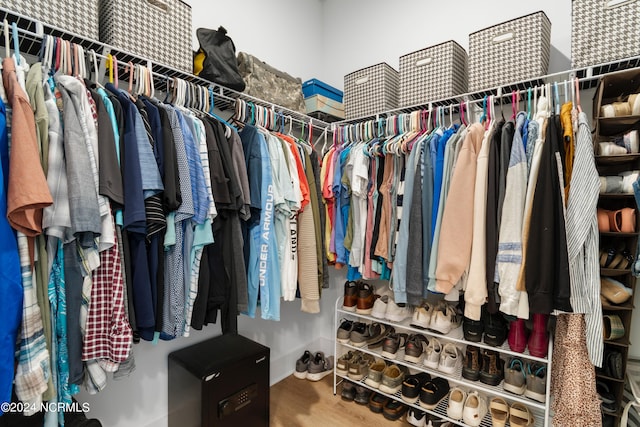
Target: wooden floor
(303,403)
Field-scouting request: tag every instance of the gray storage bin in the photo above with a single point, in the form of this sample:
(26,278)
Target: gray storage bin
(604,31)
(370,90)
(156,29)
(76,16)
(510,52)
(433,73)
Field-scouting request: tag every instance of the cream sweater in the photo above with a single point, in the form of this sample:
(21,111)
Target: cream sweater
(475,294)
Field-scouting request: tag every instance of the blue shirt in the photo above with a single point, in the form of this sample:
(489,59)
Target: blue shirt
(135,219)
(264,268)
(10,276)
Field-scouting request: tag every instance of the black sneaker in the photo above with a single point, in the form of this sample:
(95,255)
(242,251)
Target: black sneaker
(359,334)
(472,330)
(348,392)
(394,409)
(363,395)
(377,334)
(495,329)
(433,392)
(411,386)
(377,402)
(392,343)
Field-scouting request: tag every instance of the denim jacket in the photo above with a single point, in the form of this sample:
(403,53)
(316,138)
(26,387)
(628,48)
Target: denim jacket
(635,268)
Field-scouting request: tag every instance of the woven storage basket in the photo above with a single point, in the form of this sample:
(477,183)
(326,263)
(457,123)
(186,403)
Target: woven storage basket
(76,16)
(370,90)
(433,73)
(156,29)
(604,31)
(510,52)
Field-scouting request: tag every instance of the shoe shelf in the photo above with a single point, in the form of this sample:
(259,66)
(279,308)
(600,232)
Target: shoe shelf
(616,196)
(621,342)
(616,234)
(617,159)
(455,378)
(612,272)
(616,125)
(540,410)
(627,306)
(608,378)
(455,335)
(441,410)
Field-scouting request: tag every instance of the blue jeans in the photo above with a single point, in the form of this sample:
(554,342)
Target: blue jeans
(635,268)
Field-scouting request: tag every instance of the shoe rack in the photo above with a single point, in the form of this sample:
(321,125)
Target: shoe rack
(613,90)
(539,410)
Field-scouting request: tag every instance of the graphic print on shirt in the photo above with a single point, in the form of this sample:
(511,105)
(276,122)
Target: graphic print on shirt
(265,235)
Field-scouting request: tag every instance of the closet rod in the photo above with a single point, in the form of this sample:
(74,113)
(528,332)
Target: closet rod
(587,77)
(32,31)
(496,99)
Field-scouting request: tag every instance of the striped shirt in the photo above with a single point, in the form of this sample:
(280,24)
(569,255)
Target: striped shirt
(583,240)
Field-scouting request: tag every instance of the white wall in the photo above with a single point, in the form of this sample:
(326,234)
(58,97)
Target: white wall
(286,34)
(362,33)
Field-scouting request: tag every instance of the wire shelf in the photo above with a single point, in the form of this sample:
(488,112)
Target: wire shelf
(32,31)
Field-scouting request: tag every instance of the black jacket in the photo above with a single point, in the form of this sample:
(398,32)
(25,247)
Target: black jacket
(547,264)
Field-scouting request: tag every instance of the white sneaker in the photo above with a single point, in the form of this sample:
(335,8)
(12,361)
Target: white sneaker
(450,359)
(422,316)
(457,399)
(396,313)
(475,408)
(444,319)
(432,354)
(379,309)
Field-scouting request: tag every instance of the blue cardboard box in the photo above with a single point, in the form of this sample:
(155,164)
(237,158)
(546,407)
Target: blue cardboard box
(317,87)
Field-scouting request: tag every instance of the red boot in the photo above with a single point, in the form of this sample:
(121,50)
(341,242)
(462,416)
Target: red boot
(517,336)
(539,339)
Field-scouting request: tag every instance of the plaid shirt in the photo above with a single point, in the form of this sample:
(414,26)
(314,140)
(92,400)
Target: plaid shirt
(33,361)
(107,331)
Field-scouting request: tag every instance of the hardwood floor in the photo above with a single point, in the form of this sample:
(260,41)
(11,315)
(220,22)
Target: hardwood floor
(303,403)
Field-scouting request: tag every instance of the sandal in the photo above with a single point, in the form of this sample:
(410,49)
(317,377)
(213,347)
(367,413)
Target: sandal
(520,416)
(499,409)
(614,291)
(612,327)
(609,258)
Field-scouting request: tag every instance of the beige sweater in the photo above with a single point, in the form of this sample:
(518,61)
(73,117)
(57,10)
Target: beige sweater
(456,231)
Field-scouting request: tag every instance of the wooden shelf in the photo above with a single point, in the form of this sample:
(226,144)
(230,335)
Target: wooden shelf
(617,159)
(610,126)
(616,195)
(615,234)
(627,306)
(613,272)
(621,342)
(604,377)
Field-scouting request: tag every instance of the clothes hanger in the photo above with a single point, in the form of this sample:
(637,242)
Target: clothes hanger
(483,117)
(556,98)
(577,86)
(16,44)
(514,106)
(7,45)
